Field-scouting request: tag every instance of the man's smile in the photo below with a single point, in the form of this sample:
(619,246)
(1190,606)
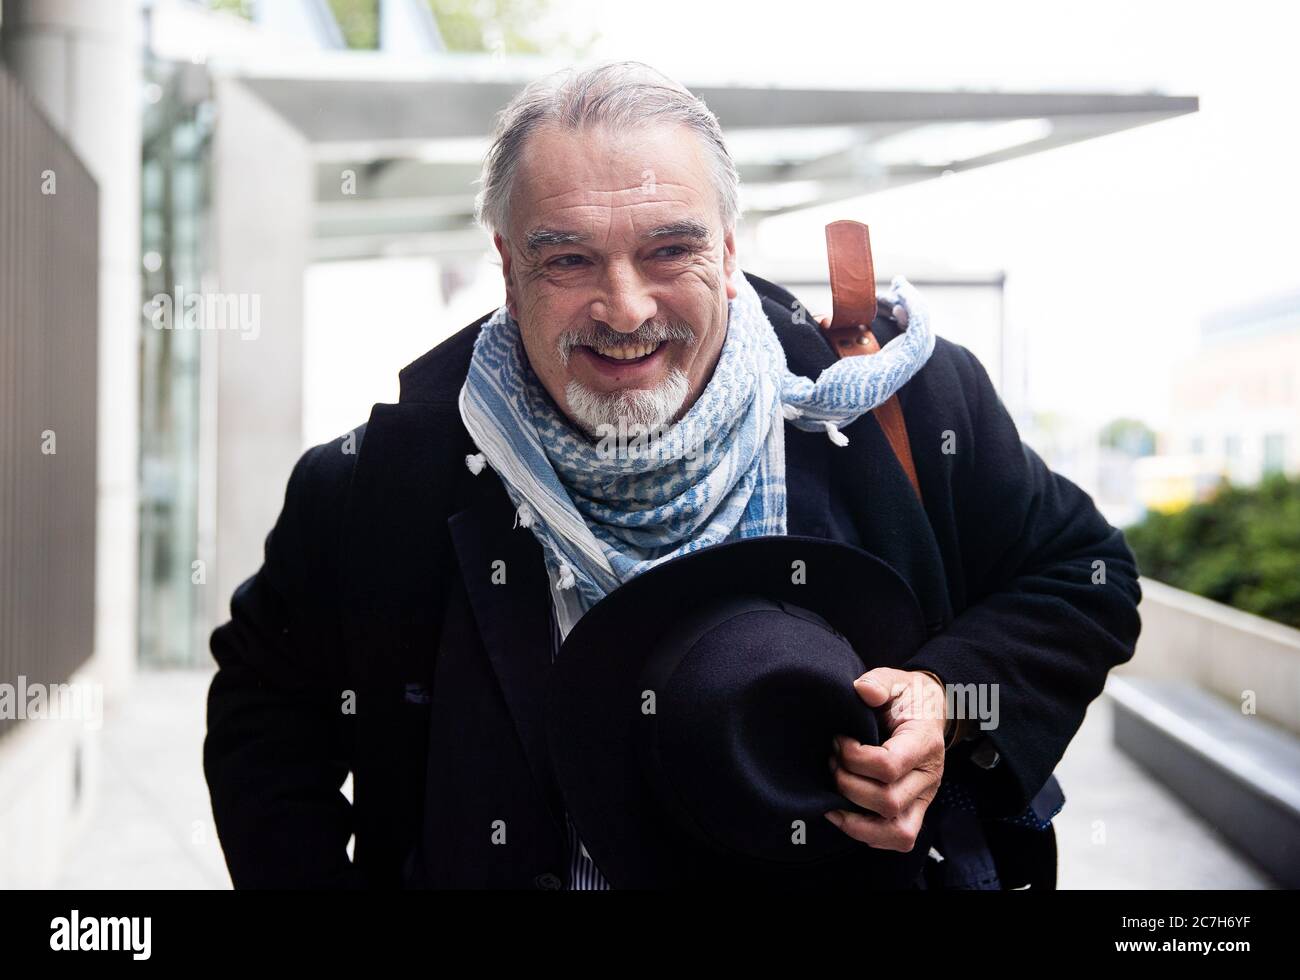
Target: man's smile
(627,352)
(624,365)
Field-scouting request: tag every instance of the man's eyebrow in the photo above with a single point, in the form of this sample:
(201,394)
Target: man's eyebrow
(686,228)
(540,238)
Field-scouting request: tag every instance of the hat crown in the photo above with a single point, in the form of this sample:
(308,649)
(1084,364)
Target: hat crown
(749,692)
(694,771)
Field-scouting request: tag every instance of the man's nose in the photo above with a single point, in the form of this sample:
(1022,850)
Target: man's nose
(625,301)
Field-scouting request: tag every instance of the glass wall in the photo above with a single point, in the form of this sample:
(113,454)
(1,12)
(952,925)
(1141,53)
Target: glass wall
(178,120)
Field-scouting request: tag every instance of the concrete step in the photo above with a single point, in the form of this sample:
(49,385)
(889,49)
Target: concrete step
(1240,773)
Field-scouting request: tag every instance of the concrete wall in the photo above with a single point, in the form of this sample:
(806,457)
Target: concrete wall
(79,60)
(48,317)
(1220,649)
(78,64)
(262,201)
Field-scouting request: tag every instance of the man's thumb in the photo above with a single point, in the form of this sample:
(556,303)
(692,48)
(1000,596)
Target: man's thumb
(873,687)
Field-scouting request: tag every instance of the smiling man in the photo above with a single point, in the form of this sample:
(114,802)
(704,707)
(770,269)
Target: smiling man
(619,260)
(426,567)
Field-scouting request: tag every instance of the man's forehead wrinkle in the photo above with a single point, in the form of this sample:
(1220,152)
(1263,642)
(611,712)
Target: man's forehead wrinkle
(579,213)
(665,192)
(561,227)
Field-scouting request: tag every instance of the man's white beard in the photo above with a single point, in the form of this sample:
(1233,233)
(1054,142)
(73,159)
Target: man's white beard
(654,408)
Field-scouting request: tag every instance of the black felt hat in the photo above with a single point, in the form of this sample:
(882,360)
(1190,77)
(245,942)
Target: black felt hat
(690,715)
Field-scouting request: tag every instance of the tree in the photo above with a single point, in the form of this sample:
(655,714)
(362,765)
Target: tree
(503,26)
(1130,436)
(1241,548)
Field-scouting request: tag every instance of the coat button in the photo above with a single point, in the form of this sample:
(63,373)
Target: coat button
(985,755)
(548,882)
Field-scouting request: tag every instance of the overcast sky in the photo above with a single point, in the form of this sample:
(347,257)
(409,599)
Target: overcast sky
(1115,248)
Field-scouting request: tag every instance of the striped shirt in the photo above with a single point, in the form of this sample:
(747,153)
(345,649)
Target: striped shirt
(583,873)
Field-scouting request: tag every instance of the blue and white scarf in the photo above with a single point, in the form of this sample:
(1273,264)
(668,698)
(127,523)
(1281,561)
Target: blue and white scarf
(606,510)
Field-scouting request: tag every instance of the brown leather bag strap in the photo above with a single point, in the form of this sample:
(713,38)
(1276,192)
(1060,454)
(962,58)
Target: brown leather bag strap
(853,293)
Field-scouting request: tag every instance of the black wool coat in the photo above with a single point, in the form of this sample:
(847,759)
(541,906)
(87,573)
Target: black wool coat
(373,641)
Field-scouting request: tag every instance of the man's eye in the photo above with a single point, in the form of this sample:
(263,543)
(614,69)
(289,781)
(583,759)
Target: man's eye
(680,250)
(562,261)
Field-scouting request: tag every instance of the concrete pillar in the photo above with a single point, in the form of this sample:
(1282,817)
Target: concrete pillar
(79,60)
(261,211)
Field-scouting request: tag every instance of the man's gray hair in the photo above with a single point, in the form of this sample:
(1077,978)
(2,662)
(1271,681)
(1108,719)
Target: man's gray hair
(618,95)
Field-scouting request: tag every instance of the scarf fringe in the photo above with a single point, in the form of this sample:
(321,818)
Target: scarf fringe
(836,436)
(476,463)
(566,576)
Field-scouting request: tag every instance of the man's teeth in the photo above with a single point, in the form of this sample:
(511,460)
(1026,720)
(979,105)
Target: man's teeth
(627,353)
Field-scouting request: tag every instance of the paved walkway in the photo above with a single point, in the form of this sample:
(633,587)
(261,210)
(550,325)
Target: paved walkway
(152,826)
(1122,829)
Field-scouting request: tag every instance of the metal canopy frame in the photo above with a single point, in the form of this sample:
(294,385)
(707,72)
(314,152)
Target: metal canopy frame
(415,133)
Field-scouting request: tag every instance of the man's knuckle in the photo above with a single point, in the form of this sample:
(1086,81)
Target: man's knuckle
(890,805)
(842,780)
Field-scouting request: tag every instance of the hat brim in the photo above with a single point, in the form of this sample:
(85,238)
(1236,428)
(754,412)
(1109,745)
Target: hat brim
(592,694)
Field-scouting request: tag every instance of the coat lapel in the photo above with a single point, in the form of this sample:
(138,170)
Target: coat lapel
(508,588)
(807,483)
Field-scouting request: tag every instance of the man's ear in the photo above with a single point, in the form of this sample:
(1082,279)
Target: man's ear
(729,262)
(503,249)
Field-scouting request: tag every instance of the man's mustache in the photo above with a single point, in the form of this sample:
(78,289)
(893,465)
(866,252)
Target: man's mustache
(602,337)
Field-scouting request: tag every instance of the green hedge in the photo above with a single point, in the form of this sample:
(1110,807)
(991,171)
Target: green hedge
(1241,548)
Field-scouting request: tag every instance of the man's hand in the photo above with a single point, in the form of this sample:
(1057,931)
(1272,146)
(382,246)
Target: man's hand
(898,779)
